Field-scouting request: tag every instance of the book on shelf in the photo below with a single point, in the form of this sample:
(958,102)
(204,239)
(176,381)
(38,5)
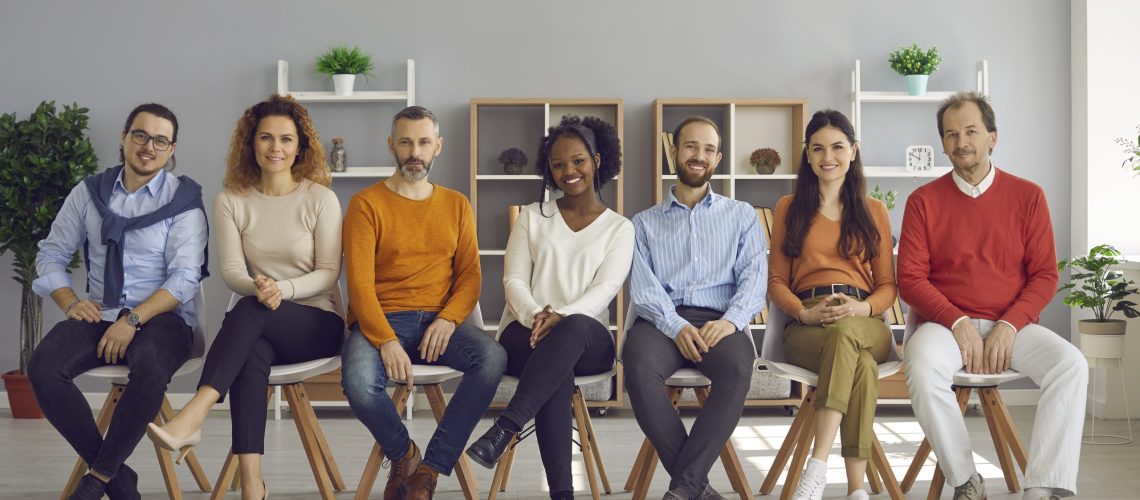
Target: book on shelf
(666,143)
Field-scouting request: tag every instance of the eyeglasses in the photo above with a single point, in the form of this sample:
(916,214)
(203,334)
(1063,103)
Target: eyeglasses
(161,143)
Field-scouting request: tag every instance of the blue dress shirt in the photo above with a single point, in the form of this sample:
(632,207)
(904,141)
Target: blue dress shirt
(165,255)
(710,256)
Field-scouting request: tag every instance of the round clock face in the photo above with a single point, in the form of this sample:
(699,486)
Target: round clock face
(919,158)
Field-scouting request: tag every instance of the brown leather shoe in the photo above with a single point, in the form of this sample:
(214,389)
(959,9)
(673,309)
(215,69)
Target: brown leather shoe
(399,472)
(421,484)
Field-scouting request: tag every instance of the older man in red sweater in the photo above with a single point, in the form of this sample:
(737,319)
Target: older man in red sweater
(978,265)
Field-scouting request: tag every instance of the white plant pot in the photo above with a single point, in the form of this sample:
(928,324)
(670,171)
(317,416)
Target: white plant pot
(343,84)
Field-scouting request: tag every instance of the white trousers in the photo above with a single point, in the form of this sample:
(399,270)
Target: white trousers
(1057,366)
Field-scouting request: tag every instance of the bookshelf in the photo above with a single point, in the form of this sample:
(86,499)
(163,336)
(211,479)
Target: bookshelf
(500,123)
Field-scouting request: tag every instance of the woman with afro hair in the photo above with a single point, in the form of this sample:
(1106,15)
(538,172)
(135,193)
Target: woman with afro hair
(566,259)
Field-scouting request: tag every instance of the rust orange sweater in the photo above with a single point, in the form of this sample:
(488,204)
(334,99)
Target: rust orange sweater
(990,257)
(820,264)
(403,255)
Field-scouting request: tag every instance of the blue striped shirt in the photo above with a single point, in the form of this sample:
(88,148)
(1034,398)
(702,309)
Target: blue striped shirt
(709,256)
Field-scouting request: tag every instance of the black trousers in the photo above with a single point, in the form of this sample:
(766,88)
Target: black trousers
(157,351)
(253,339)
(578,345)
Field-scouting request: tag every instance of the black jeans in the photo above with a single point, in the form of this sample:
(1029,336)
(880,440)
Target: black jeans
(157,351)
(577,346)
(649,358)
(253,339)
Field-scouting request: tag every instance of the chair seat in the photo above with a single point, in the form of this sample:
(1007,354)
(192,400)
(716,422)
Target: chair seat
(964,379)
(297,372)
(578,381)
(688,377)
(430,375)
(810,378)
(118,374)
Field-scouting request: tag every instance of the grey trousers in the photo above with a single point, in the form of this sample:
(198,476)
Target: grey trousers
(649,358)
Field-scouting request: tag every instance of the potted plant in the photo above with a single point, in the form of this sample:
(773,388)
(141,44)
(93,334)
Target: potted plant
(765,160)
(513,160)
(1103,290)
(916,65)
(888,198)
(41,159)
(343,64)
(1132,149)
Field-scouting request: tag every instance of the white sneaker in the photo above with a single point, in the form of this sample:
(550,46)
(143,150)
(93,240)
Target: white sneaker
(813,481)
(1039,494)
(858,495)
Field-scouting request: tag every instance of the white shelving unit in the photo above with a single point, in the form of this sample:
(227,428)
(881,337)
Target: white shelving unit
(860,96)
(407,96)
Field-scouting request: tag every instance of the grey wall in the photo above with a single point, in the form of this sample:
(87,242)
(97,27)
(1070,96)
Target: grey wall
(209,60)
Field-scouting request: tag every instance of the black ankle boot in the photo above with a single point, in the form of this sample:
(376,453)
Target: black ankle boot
(488,448)
(125,485)
(89,488)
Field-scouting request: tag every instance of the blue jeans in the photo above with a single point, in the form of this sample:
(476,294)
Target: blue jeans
(471,351)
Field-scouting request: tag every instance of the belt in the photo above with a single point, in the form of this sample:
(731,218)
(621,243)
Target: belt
(823,291)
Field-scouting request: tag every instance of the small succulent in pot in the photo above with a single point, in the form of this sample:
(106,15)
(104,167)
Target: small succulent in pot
(765,160)
(513,160)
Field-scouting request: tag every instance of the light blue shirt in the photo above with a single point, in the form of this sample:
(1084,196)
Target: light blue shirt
(165,255)
(710,256)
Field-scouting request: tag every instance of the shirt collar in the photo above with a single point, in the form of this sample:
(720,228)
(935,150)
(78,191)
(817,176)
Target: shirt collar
(152,187)
(972,190)
(671,199)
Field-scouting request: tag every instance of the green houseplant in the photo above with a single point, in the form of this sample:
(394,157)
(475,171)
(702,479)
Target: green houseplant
(343,64)
(1096,286)
(1132,149)
(41,159)
(916,65)
(888,198)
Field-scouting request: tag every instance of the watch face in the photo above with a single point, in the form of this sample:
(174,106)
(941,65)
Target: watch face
(919,158)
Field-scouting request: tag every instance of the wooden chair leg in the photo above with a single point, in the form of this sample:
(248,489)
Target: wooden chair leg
(638,464)
(939,480)
(799,457)
(587,450)
(729,458)
(376,457)
(509,469)
(799,425)
(997,435)
(295,395)
(196,470)
(1005,421)
(883,469)
(323,447)
(497,483)
(642,474)
(873,477)
(226,478)
(593,437)
(916,465)
(166,466)
(467,480)
(101,422)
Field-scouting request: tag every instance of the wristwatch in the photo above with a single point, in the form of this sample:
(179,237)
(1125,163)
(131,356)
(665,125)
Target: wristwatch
(134,320)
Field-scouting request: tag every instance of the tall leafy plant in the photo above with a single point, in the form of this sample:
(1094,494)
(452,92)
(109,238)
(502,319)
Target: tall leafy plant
(1102,288)
(41,159)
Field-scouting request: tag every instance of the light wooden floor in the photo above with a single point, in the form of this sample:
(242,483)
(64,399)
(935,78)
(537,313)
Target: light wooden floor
(34,460)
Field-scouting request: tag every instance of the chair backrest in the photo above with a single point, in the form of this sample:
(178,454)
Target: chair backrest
(476,318)
(911,325)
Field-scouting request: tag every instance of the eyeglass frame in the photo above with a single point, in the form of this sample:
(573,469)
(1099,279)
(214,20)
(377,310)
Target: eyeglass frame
(135,133)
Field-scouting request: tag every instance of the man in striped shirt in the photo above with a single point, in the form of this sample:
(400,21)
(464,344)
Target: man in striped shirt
(699,275)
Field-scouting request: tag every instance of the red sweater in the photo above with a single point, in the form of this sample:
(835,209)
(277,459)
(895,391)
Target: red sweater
(990,257)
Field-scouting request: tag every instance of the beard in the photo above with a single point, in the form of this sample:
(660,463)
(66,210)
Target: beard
(413,175)
(692,179)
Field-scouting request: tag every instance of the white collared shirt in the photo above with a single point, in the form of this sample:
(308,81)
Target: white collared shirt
(972,190)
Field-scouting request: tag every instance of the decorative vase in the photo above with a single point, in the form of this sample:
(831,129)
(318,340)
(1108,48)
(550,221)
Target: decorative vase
(764,168)
(338,158)
(343,84)
(916,84)
(20,396)
(513,168)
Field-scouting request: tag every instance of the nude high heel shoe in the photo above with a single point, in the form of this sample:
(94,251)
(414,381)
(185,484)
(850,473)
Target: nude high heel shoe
(166,441)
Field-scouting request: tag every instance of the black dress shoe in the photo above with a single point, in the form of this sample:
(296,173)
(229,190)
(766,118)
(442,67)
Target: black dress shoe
(487,450)
(89,488)
(562,495)
(125,485)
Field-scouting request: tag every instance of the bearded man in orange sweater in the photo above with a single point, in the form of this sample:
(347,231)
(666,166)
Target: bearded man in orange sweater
(977,264)
(412,263)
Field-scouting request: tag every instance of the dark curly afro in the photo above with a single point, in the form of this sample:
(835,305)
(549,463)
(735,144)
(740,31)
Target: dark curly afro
(606,143)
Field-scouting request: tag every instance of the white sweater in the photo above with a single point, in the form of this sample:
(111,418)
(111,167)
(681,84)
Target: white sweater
(574,272)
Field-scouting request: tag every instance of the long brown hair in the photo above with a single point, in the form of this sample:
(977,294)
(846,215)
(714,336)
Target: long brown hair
(242,171)
(857,232)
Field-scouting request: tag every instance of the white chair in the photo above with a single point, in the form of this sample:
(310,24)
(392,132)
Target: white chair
(1002,431)
(646,464)
(118,376)
(290,379)
(802,432)
(431,379)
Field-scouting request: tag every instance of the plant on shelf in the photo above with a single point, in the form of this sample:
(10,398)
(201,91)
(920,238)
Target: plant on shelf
(765,160)
(1132,149)
(343,64)
(41,159)
(513,160)
(916,65)
(1102,289)
(888,198)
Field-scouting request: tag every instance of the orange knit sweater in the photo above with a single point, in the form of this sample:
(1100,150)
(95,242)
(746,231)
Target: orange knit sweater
(403,255)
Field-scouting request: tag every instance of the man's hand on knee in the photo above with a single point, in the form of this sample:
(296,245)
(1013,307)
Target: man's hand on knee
(969,341)
(396,361)
(999,348)
(690,343)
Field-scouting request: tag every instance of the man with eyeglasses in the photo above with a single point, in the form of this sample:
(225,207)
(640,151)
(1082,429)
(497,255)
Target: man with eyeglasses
(143,232)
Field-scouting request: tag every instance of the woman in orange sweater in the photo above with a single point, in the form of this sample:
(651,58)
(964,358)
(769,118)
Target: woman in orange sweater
(831,271)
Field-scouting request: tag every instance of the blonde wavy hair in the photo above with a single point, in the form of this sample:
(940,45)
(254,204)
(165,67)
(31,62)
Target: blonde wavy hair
(242,170)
